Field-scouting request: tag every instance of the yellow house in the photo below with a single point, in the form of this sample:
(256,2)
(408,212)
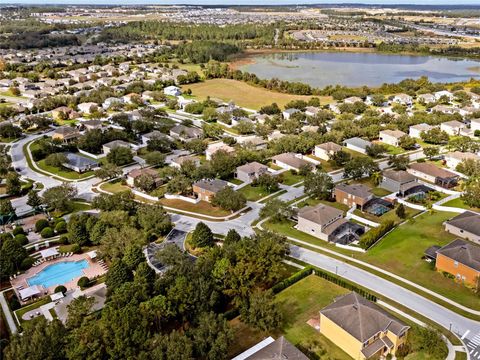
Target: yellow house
(361,328)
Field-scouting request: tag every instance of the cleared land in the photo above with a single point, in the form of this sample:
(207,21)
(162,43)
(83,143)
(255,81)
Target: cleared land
(243,94)
(202,208)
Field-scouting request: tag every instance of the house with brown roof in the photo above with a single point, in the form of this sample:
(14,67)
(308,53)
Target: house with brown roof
(180,160)
(134,174)
(391,137)
(399,182)
(250,171)
(353,195)
(115,144)
(185,133)
(327,223)
(65,134)
(290,161)
(218,146)
(361,328)
(206,189)
(280,349)
(461,259)
(432,173)
(326,150)
(465,225)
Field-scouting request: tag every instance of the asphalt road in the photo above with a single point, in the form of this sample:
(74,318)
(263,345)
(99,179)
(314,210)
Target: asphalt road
(462,326)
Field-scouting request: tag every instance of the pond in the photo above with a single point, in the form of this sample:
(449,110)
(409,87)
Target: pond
(320,69)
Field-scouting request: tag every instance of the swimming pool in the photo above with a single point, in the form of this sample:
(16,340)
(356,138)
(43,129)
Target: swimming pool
(59,273)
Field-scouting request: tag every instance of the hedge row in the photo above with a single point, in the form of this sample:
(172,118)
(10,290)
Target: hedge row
(371,236)
(299,275)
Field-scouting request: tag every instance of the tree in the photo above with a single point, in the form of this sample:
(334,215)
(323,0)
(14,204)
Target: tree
(6,207)
(469,167)
(56,160)
(359,167)
(108,171)
(267,182)
(78,310)
(376,150)
(154,219)
(229,199)
(155,158)
(400,211)
(59,197)
(407,142)
(13,184)
(232,237)
(319,185)
(202,236)
(117,275)
(434,136)
(211,337)
(115,240)
(431,151)
(77,229)
(133,256)
(146,182)
(120,156)
(12,253)
(33,199)
(213,130)
(179,184)
(277,210)
(174,346)
(471,194)
(222,164)
(42,340)
(399,162)
(341,157)
(261,312)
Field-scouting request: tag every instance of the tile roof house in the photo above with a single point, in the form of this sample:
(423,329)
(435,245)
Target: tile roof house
(461,259)
(269,349)
(353,195)
(206,189)
(290,161)
(250,171)
(465,225)
(357,144)
(361,328)
(326,150)
(432,173)
(391,137)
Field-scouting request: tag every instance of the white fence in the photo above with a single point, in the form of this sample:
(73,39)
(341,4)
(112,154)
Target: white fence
(146,196)
(183,198)
(86,153)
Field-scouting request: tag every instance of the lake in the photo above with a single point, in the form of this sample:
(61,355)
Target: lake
(320,69)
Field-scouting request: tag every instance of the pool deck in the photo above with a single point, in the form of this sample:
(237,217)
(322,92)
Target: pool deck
(92,271)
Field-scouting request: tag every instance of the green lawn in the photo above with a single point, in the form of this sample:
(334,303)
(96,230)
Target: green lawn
(312,202)
(393,150)
(201,208)
(114,187)
(63,172)
(290,179)
(391,215)
(20,312)
(253,193)
(459,203)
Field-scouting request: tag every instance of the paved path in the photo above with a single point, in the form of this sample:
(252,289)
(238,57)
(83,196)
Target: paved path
(446,318)
(7,313)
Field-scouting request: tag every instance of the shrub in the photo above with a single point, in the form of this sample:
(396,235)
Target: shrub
(369,238)
(63,239)
(18,230)
(83,282)
(27,263)
(41,224)
(76,249)
(47,233)
(21,239)
(299,275)
(61,288)
(61,227)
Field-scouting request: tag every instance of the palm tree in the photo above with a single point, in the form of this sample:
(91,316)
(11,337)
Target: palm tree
(377,178)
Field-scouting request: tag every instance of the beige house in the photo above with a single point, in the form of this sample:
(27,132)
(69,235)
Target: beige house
(132,175)
(206,189)
(219,146)
(415,131)
(326,150)
(250,171)
(391,137)
(432,173)
(290,161)
(320,220)
(465,225)
(453,127)
(361,328)
(454,158)
(65,134)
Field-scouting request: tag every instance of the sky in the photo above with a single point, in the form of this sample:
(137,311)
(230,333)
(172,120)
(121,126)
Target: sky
(245,2)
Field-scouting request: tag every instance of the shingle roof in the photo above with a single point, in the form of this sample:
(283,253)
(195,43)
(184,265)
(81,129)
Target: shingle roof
(359,190)
(291,160)
(361,318)
(137,172)
(400,176)
(358,142)
(280,349)
(432,170)
(253,167)
(393,133)
(319,214)
(330,146)
(212,185)
(462,251)
(117,143)
(467,221)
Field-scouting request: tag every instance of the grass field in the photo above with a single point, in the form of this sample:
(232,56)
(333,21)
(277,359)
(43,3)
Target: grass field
(243,94)
(287,178)
(202,208)
(459,203)
(114,187)
(63,172)
(253,193)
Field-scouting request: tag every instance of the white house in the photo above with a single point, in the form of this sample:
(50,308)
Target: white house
(452,127)
(289,112)
(87,108)
(357,144)
(172,91)
(214,147)
(454,158)
(352,100)
(415,131)
(109,102)
(403,99)
(426,98)
(326,150)
(439,94)
(391,137)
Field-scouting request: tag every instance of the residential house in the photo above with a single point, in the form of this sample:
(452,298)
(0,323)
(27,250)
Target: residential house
(320,220)
(88,107)
(132,175)
(453,127)
(185,133)
(287,113)
(415,131)
(475,125)
(280,349)
(352,100)
(312,111)
(465,225)
(206,189)
(461,259)
(391,137)
(92,124)
(399,182)
(354,195)
(357,144)
(444,93)
(153,135)
(253,142)
(361,328)
(291,161)
(250,171)
(132,98)
(454,158)
(108,147)
(112,101)
(172,91)
(432,173)
(426,98)
(403,99)
(64,113)
(180,160)
(326,150)
(218,146)
(65,134)
(79,164)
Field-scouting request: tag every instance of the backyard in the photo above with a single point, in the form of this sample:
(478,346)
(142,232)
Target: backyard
(254,193)
(459,203)
(201,208)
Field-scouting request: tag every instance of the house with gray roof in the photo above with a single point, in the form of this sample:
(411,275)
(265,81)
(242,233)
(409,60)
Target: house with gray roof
(280,349)
(250,171)
(206,189)
(290,161)
(357,144)
(465,225)
(79,163)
